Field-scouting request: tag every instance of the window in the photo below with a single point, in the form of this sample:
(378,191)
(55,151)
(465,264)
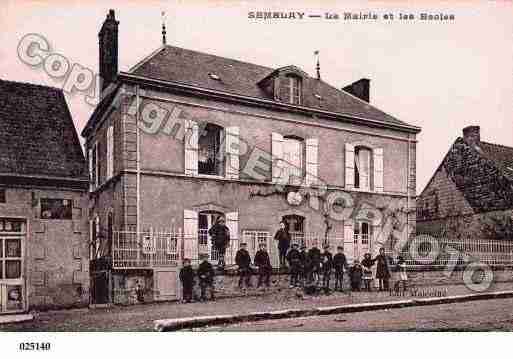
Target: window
(254,239)
(206,219)
(362,168)
(56,208)
(210,153)
(93,167)
(2,195)
(362,238)
(110,152)
(291,89)
(10,258)
(293,156)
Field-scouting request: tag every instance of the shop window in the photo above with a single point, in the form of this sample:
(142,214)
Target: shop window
(10,258)
(210,154)
(56,208)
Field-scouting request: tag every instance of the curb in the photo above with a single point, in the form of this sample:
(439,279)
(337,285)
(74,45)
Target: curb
(168,325)
(15,318)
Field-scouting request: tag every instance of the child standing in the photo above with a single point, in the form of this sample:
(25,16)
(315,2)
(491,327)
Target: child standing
(355,275)
(293,257)
(206,277)
(339,263)
(243,261)
(187,278)
(263,262)
(402,276)
(367,264)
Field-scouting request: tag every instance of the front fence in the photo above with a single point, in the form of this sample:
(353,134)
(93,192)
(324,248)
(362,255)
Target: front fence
(160,248)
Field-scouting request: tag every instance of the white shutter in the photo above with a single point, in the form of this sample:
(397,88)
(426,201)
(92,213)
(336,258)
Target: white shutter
(277,157)
(110,152)
(378,170)
(191,148)
(91,187)
(349,156)
(190,234)
(312,164)
(232,152)
(232,222)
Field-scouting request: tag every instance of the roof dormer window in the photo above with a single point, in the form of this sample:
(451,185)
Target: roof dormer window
(291,89)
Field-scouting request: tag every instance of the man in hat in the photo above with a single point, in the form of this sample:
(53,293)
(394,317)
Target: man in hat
(326,266)
(294,260)
(220,235)
(263,263)
(339,264)
(206,275)
(243,261)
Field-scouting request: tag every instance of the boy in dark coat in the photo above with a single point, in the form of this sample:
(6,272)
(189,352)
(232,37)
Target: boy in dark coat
(355,275)
(382,270)
(220,235)
(315,264)
(283,237)
(187,278)
(339,264)
(303,258)
(326,266)
(206,277)
(243,261)
(263,263)
(294,260)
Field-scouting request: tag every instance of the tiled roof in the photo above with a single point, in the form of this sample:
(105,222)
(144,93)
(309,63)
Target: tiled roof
(193,68)
(502,156)
(37,134)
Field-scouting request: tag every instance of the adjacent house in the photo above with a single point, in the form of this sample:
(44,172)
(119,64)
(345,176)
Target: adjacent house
(470,195)
(43,201)
(184,137)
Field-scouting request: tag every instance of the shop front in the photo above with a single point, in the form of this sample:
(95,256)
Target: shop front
(12,252)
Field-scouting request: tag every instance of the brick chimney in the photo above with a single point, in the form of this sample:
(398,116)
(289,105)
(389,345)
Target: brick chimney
(472,135)
(360,89)
(108,45)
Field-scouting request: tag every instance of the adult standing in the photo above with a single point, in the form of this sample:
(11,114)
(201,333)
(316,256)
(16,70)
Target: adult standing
(283,237)
(382,270)
(220,236)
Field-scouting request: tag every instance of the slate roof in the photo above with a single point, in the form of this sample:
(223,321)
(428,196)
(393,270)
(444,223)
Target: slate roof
(37,134)
(502,156)
(190,67)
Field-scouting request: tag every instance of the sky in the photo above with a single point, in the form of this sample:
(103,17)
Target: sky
(441,76)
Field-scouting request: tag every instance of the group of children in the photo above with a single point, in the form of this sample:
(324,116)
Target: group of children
(310,270)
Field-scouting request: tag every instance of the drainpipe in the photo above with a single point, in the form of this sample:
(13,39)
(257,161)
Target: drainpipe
(138,166)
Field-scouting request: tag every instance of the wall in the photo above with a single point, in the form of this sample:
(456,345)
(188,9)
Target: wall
(56,264)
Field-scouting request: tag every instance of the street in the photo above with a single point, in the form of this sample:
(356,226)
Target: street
(485,315)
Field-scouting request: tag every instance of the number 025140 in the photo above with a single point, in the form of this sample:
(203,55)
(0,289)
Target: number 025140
(27,346)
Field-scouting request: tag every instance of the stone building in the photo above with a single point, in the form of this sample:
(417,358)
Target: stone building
(43,202)
(184,137)
(470,195)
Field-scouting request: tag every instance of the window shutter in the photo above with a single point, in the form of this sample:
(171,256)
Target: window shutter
(91,170)
(232,222)
(190,234)
(191,148)
(232,152)
(277,157)
(378,170)
(110,152)
(349,166)
(312,146)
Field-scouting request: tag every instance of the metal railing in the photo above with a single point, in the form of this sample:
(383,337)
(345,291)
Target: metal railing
(145,249)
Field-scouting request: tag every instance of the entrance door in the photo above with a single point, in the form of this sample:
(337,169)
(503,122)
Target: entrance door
(206,220)
(362,239)
(12,252)
(296,227)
